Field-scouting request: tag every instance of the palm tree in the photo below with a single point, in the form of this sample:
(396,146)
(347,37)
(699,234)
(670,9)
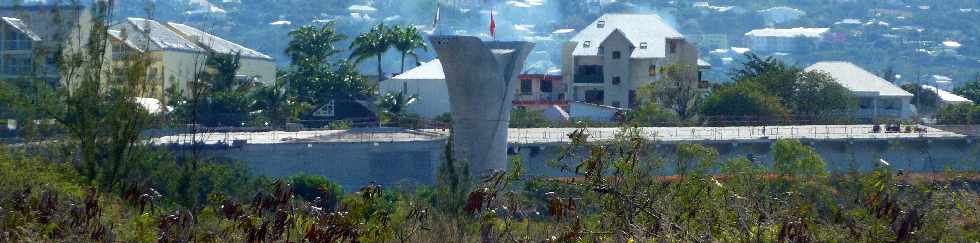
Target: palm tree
(310,46)
(406,41)
(373,43)
(273,101)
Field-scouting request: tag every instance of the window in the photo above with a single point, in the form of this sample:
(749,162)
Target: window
(589,74)
(616,80)
(602,51)
(17,64)
(14,40)
(616,55)
(652,70)
(586,44)
(601,24)
(673,46)
(526,86)
(643,45)
(594,96)
(546,86)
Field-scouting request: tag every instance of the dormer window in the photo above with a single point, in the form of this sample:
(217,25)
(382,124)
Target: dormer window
(586,44)
(601,24)
(643,45)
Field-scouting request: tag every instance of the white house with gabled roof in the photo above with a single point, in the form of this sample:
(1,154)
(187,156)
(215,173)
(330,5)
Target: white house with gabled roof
(784,40)
(877,98)
(610,59)
(427,83)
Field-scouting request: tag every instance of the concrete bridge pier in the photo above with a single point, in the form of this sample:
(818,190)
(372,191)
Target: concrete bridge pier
(482,79)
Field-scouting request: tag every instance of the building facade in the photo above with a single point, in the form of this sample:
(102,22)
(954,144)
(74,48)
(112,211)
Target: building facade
(177,54)
(539,92)
(33,37)
(609,60)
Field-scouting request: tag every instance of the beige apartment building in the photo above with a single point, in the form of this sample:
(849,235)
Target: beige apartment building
(32,36)
(609,60)
(178,52)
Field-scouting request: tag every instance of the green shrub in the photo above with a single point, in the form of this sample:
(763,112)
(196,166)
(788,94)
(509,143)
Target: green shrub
(310,187)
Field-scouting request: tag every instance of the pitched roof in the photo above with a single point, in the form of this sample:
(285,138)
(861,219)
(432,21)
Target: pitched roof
(215,43)
(637,28)
(857,79)
(21,27)
(946,96)
(794,32)
(118,35)
(429,70)
(156,36)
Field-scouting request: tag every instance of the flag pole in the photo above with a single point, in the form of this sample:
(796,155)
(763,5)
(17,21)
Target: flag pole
(493,26)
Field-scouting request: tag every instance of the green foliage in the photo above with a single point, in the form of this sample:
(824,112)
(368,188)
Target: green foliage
(773,91)
(453,180)
(373,44)
(339,125)
(744,99)
(925,100)
(817,94)
(651,114)
(959,114)
(311,188)
(676,90)
(310,46)
(793,159)
(217,98)
(970,90)
(273,104)
(406,40)
(446,119)
(313,78)
(394,110)
(525,118)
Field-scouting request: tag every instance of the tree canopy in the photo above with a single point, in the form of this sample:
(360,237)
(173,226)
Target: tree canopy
(768,88)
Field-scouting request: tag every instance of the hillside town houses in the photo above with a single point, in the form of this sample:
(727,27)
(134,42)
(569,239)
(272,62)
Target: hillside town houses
(177,52)
(602,65)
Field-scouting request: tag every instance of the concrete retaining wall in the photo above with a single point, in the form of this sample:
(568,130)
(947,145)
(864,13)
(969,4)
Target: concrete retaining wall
(355,164)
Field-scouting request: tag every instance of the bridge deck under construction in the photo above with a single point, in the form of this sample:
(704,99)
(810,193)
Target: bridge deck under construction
(560,135)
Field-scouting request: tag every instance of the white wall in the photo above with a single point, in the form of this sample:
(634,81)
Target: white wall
(181,67)
(262,68)
(579,110)
(433,96)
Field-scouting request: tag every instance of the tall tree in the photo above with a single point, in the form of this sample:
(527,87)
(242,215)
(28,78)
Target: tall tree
(803,93)
(675,90)
(313,79)
(372,44)
(311,47)
(817,94)
(407,40)
(743,100)
(925,100)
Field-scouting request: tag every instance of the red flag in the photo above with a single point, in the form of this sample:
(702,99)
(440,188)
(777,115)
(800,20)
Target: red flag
(493,26)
